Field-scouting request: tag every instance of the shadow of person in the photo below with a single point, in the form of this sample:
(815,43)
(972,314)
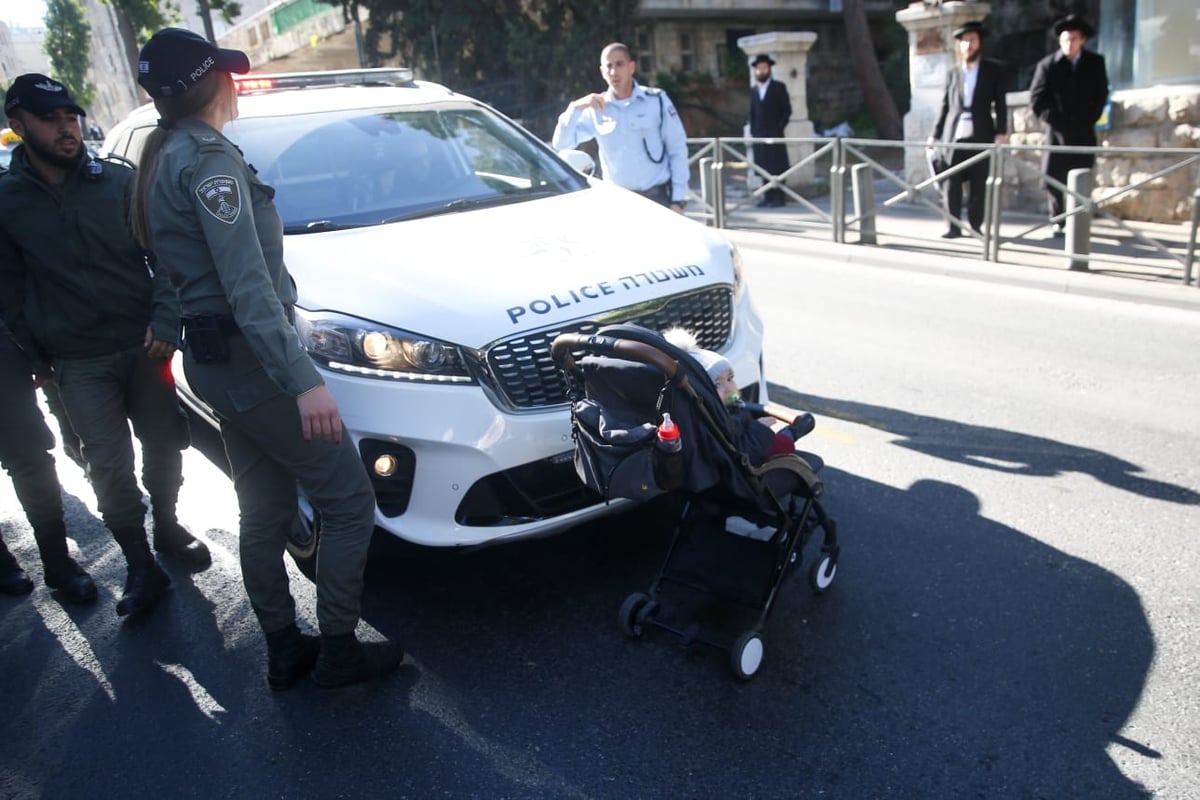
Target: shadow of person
(991,448)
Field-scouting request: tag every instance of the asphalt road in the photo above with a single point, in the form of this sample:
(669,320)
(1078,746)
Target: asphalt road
(1014,475)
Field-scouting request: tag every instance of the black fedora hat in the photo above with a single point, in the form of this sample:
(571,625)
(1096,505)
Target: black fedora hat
(1074,22)
(762,58)
(970,27)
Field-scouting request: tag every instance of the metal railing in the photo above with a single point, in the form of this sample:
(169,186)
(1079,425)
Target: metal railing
(853,172)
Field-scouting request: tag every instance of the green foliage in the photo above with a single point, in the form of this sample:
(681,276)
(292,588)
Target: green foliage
(526,57)
(147,16)
(67,44)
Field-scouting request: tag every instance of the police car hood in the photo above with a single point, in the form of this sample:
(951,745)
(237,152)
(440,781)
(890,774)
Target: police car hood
(473,277)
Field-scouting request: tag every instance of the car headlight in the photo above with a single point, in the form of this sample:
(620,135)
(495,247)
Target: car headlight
(739,280)
(359,347)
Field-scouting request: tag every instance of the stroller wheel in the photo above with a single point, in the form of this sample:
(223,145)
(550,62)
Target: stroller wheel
(820,577)
(746,655)
(634,611)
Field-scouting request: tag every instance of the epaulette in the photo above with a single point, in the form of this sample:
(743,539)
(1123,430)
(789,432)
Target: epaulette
(206,141)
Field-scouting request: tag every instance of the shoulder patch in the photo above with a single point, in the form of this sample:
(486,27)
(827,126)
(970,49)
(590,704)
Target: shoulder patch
(221,197)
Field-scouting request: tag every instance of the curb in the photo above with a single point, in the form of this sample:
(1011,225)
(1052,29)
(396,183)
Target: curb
(1050,279)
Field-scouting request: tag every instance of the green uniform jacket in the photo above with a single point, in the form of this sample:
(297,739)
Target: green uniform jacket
(72,276)
(217,235)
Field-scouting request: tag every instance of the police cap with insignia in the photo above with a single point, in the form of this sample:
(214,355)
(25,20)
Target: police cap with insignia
(175,60)
(38,94)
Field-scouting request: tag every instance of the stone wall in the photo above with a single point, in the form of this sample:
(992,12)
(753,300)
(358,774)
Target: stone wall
(1158,117)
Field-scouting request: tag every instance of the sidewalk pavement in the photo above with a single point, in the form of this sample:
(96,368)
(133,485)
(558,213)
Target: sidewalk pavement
(909,237)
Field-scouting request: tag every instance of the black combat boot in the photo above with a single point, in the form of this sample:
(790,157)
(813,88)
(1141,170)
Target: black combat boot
(290,656)
(61,571)
(13,579)
(174,540)
(344,661)
(146,582)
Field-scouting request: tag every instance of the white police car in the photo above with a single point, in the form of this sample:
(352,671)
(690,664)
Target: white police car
(438,248)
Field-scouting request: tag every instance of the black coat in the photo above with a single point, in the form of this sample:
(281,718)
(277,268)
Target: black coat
(1069,101)
(989,111)
(768,118)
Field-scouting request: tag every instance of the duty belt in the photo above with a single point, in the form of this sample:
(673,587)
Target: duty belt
(223,324)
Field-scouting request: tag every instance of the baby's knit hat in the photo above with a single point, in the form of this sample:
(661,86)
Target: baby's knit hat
(714,363)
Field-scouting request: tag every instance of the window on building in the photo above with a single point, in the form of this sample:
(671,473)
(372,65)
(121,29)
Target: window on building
(687,52)
(643,51)
(1148,42)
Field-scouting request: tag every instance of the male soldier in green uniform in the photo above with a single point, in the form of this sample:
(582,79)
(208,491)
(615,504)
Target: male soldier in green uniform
(86,299)
(216,232)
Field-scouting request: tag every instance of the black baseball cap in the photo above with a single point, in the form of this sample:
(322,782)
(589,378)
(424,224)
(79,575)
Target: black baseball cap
(38,94)
(175,59)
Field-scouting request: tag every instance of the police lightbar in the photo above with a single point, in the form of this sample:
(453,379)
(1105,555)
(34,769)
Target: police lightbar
(389,76)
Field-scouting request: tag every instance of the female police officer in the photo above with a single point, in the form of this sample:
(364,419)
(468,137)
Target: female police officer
(214,228)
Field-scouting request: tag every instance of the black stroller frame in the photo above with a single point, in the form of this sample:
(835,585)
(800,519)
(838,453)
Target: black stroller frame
(614,455)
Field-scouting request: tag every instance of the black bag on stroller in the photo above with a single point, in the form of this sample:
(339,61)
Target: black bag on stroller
(744,522)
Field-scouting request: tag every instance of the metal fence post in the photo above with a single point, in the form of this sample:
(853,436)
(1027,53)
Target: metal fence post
(994,205)
(706,189)
(863,183)
(1079,219)
(718,193)
(1191,246)
(837,192)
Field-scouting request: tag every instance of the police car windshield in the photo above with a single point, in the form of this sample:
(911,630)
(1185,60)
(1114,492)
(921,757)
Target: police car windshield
(371,166)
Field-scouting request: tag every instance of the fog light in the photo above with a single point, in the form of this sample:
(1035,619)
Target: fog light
(385,465)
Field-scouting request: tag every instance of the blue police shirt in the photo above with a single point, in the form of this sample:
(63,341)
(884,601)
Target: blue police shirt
(642,142)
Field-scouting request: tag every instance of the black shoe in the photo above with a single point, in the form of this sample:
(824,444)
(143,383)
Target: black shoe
(144,587)
(290,656)
(72,581)
(802,426)
(172,539)
(953,233)
(345,661)
(775,204)
(13,579)
(764,203)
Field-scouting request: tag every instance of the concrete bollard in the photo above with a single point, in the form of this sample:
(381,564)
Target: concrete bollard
(706,189)
(863,183)
(1078,240)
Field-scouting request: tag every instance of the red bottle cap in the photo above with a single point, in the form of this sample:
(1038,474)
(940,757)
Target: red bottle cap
(668,430)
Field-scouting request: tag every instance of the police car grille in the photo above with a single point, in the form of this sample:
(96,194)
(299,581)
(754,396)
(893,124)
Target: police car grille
(526,377)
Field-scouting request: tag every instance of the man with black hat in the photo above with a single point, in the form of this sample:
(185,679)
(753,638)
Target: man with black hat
(1068,93)
(770,110)
(973,110)
(81,299)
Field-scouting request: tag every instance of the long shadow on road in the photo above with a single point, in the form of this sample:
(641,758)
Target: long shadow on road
(954,657)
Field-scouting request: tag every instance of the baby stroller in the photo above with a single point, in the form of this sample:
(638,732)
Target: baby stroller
(743,527)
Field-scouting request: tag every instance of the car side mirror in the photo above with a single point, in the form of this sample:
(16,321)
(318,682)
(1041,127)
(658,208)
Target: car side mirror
(579,161)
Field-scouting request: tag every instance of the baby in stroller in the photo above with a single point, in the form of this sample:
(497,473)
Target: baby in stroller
(751,422)
(622,382)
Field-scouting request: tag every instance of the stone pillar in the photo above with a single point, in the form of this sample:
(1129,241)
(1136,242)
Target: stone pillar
(789,50)
(931,53)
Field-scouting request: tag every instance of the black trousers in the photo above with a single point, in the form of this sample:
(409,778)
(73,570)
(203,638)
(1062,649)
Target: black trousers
(1057,166)
(976,175)
(660,194)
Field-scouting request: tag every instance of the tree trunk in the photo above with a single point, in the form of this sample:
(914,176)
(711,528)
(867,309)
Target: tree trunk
(880,104)
(128,40)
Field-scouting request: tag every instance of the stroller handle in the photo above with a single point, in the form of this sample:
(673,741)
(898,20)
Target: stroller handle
(561,350)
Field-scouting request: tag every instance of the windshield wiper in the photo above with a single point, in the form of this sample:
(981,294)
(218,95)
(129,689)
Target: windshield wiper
(317,226)
(469,204)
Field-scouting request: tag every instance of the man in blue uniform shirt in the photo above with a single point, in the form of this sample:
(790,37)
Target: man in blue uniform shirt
(643,146)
